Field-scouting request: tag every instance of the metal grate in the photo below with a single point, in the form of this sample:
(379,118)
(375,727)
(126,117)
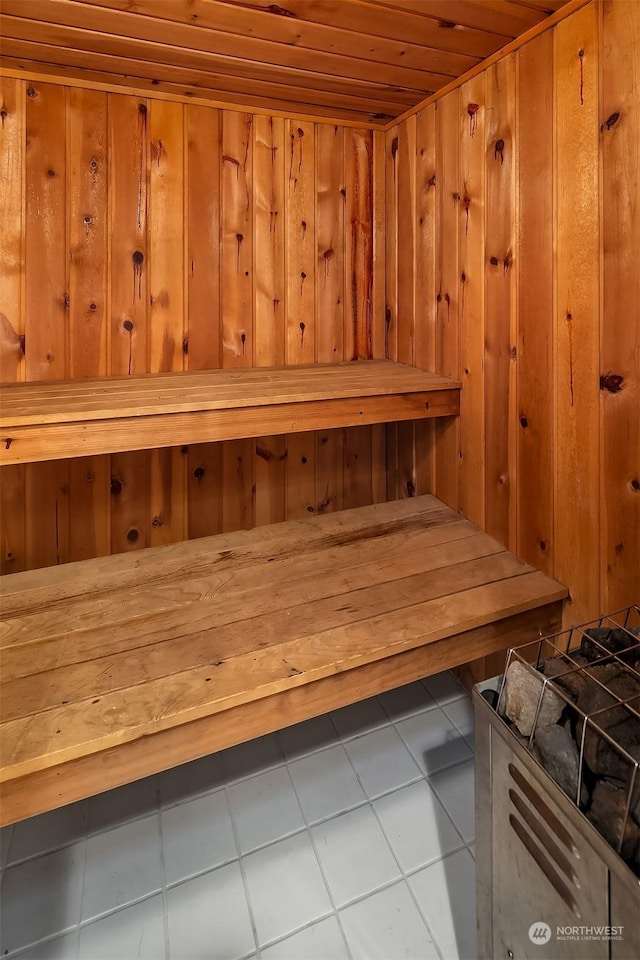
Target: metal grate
(589,679)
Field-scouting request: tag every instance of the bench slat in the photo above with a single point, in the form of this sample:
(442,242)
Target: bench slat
(72,418)
(101,654)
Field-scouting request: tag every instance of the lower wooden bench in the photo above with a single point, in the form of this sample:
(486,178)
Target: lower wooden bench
(119,667)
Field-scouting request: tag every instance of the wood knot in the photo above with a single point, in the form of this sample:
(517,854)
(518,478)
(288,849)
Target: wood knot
(611,382)
(610,121)
(280,11)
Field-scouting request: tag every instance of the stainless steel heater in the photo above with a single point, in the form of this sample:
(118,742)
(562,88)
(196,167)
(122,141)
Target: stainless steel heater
(558,797)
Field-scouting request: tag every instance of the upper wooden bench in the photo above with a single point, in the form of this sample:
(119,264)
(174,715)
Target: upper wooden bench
(116,668)
(72,418)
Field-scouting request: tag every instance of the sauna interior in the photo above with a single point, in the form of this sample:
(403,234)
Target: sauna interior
(350,287)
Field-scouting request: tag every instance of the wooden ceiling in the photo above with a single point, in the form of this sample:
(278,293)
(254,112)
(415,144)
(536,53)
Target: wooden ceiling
(359,60)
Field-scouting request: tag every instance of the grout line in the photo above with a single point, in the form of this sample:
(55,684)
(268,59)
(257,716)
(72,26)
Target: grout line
(81,897)
(341,741)
(165,911)
(404,880)
(20,951)
(319,862)
(201,873)
(243,874)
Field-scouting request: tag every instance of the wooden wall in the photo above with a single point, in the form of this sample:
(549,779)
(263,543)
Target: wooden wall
(141,235)
(513,261)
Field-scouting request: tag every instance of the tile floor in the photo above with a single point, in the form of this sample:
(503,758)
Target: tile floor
(349,836)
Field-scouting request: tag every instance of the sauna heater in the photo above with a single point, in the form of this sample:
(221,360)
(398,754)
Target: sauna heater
(558,797)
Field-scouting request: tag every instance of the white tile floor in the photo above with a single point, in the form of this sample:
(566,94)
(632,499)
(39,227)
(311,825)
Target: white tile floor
(349,836)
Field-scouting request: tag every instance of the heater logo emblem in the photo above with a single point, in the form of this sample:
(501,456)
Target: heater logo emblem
(539,932)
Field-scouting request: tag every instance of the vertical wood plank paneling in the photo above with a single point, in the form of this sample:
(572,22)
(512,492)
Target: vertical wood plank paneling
(87,214)
(204,489)
(330,234)
(46,304)
(129,260)
(577,547)
(46,294)
(535,406)
(620,355)
(87,178)
(236,284)
(499,295)
(268,233)
(329,301)
(300,279)
(429,196)
(358,245)
(202,224)
(236,290)
(300,487)
(379,242)
(447,286)
(358,456)
(406,274)
(203,334)
(270,300)
(167,496)
(406,241)
(12,509)
(358,294)
(166,233)
(128,168)
(300,273)
(379,432)
(391,299)
(471,211)
(12,181)
(425,285)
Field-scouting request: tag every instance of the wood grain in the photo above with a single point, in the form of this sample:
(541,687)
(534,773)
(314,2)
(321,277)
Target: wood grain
(202,226)
(425,284)
(65,783)
(472,214)
(12,180)
(89,328)
(46,307)
(12,265)
(300,231)
(329,325)
(129,278)
(53,425)
(500,361)
(167,471)
(205,674)
(447,358)
(535,266)
(577,483)
(358,245)
(620,317)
